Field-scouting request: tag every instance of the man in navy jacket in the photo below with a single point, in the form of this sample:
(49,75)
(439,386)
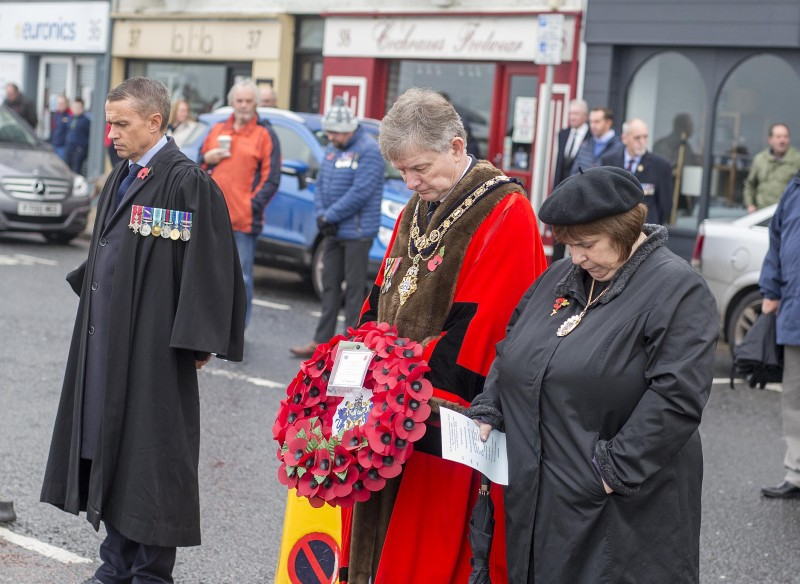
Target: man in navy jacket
(77,146)
(347,204)
(780,287)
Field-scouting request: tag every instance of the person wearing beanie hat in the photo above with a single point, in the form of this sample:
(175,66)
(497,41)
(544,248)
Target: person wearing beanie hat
(600,385)
(347,205)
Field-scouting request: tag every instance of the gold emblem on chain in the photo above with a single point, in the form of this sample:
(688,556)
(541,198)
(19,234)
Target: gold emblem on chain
(408,285)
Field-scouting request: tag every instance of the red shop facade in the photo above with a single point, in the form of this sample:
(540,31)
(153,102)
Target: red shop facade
(485,64)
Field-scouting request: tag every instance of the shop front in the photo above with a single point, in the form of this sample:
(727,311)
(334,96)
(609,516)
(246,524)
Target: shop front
(200,59)
(57,48)
(709,90)
(485,65)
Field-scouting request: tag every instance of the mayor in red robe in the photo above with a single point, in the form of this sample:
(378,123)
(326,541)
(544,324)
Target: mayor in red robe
(464,250)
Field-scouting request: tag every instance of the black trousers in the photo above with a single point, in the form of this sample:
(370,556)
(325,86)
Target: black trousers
(345,261)
(124,560)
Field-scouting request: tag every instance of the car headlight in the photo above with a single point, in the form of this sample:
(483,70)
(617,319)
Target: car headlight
(391,209)
(80,186)
(384,236)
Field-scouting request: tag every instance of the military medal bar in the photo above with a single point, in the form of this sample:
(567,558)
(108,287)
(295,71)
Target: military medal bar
(163,223)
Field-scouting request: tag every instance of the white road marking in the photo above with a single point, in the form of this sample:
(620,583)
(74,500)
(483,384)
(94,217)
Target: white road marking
(240,377)
(317,314)
(275,305)
(743,383)
(19,259)
(44,549)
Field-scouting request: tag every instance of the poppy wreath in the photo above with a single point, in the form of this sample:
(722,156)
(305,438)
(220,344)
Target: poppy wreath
(340,469)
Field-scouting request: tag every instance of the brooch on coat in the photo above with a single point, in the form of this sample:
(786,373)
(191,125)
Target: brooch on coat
(559,303)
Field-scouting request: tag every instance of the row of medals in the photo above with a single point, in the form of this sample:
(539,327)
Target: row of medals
(167,229)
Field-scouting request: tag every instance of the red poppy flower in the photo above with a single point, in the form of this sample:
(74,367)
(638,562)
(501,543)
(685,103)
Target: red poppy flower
(374,481)
(419,387)
(390,468)
(408,428)
(386,374)
(365,457)
(353,439)
(296,453)
(434,262)
(381,440)
(344,484)
(416,410)
(307,485)
(287,475)
(322,462)
(408,365)
(316,502)
(360,493)
(143,173)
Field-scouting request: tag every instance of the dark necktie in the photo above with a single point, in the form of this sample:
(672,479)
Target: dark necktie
(570,143)
(432,209)
(127,182)
(632,165)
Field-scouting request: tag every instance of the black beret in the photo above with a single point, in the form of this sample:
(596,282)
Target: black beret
(591,195)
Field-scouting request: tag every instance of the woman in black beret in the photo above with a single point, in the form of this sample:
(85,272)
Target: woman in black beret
(600,385)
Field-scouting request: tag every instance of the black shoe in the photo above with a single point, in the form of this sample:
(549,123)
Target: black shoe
(7,514)
(785,490)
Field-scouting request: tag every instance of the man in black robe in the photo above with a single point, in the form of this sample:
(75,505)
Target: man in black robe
(160,293)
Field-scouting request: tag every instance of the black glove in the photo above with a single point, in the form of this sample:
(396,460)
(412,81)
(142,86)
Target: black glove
(325,228)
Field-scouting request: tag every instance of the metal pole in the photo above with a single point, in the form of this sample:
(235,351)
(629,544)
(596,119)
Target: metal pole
(544,146)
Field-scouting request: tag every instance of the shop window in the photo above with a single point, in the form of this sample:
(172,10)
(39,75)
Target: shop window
(468,85)
(204,85)
(668,94)
(754,96)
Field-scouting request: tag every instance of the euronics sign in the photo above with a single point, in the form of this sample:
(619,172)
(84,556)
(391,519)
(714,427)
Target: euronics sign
(54,27)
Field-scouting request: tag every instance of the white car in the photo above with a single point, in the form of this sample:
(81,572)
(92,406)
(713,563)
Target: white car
(728,253)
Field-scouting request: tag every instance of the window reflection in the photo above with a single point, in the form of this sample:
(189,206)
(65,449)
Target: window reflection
(468,85)
(753,98)
(669,95)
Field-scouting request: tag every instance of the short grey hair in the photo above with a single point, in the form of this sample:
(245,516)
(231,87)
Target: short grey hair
(580,104)
(147,96)
(243,84)
(420,120)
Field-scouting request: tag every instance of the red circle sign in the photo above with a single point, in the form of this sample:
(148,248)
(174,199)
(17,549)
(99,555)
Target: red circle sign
(314,559)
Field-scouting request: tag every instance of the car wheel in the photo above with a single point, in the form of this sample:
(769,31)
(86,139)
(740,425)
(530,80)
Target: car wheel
(56,237)
(742,317)
(317,266)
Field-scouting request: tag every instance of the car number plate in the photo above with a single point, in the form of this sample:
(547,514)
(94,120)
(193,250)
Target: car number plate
(39,209)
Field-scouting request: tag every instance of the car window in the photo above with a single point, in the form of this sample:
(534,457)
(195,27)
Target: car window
(12,131)
(391,171)
(294,147)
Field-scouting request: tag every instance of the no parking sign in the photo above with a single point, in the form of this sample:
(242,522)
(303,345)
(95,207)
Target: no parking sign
(314,559)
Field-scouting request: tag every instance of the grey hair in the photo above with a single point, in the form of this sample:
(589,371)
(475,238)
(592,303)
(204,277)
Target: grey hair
(420,119)
(147,96)
(243,84)
(580,103)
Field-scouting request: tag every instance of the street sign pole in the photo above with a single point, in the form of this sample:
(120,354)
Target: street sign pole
(550,45)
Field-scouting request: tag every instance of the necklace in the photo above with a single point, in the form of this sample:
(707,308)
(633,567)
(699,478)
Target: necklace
(573,321)
(423,246)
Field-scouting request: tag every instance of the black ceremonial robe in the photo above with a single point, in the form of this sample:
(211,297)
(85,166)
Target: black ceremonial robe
(148,307)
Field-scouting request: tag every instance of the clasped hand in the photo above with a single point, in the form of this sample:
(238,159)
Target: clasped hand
(325,228)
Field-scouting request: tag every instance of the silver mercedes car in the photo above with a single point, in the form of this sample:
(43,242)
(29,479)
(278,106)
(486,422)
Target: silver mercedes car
(38,191)
(728,253)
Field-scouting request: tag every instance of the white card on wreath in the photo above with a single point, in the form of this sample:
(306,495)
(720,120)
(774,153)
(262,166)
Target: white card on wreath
(349,368)
(461,442)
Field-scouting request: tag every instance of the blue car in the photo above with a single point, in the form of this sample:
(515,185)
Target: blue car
(289,239)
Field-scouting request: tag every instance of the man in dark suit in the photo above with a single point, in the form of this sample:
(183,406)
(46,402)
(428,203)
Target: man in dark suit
(653,171)
(571,138)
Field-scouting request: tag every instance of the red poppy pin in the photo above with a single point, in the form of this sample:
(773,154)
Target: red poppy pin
(434,262)
(559,303)
(143,173)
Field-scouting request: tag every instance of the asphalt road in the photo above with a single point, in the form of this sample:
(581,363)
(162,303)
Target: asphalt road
(745,539)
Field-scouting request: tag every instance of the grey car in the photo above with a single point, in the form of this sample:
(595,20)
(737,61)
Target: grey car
(38,192)
(728,254)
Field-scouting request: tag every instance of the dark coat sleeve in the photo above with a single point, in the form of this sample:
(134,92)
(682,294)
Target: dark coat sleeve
(680,340)
(210,311)
(269,186)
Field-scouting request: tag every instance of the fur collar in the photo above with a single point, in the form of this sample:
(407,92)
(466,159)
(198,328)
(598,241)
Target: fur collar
(656,237)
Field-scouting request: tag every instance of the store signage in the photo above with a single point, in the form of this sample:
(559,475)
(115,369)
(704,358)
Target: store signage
(54,27)
(352,89)
(478,38)
(550,39)
(197,39)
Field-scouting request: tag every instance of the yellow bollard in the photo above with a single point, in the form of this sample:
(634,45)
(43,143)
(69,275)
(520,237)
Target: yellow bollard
(310,544)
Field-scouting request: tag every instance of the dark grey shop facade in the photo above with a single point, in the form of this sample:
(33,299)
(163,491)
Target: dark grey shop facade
(717,73)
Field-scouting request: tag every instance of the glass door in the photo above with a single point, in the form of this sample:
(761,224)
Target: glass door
(512,141)
(54,80)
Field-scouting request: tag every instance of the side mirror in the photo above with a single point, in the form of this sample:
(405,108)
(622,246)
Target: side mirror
(297,169)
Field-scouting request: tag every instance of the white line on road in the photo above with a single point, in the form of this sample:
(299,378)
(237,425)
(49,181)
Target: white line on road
(45,549)
(240,377)
(19,259)
(267,304)
(741,382)
(317,314)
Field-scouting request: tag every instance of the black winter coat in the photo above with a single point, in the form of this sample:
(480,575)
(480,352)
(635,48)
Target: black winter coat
(626,387)
(148,307)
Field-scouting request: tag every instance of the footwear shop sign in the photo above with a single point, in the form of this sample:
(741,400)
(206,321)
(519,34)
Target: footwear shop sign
(512,38)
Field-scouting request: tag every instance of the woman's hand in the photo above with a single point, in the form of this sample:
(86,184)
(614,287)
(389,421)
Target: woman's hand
(485,429)
(608,489)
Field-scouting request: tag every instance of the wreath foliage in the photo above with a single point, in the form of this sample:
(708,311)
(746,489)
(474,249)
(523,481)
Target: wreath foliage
(344,465)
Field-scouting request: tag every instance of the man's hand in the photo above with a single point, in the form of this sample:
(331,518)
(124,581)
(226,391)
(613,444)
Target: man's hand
(768,305)
(752,208)
(216,155)
(199,364)
(325,228)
